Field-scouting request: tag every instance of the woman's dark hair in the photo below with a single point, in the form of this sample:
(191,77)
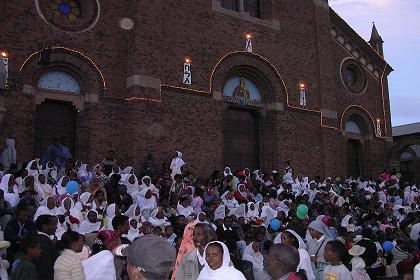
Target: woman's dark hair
(68,239)
(337,247)
(218,245)
(28,242)
(292,236)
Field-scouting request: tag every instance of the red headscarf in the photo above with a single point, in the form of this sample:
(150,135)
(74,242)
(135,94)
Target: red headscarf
(108,236)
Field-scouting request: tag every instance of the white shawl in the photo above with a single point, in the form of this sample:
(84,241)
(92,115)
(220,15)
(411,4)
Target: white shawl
(87,227)
(8,156)
(176,164)
(100,266)
(224,272)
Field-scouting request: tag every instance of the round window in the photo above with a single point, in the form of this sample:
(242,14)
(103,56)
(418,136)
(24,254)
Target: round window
(69,15)
(353,76)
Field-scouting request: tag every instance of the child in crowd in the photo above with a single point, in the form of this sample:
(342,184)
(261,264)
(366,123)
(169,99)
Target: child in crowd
(334,253)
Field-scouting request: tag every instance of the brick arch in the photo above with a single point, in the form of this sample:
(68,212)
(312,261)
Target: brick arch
(254,67)
(84,69)
(402,144)
(362,117)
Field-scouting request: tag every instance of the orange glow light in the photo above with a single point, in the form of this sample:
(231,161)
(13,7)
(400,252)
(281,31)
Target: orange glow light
(3,54)
(187,60)
(378,120)
(302,85)
(248,36)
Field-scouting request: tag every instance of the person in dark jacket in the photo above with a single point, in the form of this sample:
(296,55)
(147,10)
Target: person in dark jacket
(112,190)
(25,268)
(46,225)
(16,229)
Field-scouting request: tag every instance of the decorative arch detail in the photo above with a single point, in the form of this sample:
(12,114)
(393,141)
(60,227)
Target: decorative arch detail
(359,114)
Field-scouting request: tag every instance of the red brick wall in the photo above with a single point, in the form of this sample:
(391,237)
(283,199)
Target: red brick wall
(301,50)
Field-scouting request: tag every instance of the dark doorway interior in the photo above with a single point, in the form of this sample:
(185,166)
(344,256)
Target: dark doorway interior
(354,151)
(53,120)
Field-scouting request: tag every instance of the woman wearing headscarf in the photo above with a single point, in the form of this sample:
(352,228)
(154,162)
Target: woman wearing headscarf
(252,254)
(86,199)
(99,202)
(49,208)
(7,185)
(147,202)
(132,183)
(91,224)
(133,212)
(316,247)
(217,264)
(348,224)
(84,173)
(8,156)
(32,168)
(290,237)
(158,219)
(133,231)
(184,208)
(242,195)
(176,164)
(60,187)
(252,212)
(115,170)
(43,189)
(111,211)
(128,170)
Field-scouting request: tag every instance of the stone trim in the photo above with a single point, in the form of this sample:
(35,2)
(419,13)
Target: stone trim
(329,114)
(274,106)
(143,81)
(242,15)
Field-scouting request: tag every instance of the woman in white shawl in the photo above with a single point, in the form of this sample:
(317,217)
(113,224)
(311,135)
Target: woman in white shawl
(290,237)
(158,219)
(32,168)
(91,224)
(146,201)
(133,212)
(60,187)
(49,209)
(252,213)
(8,156)
(184,208)
(100,266)
(176,164)
(42,187)
(252,253)
(9,189)
(133,232)
(110,212)
(128,170)
(50,170)
(348,224)
(217,264)
(132,183)
(84,174)
(146,182)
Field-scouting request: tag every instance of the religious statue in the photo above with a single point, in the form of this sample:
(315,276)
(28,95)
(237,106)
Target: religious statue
(242,90)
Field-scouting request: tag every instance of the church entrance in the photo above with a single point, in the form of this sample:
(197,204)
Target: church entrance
(241,139)
(54,120)
(354,151)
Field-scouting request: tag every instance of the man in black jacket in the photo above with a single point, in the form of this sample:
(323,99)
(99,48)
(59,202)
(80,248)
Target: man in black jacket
(46,225)
(16,229)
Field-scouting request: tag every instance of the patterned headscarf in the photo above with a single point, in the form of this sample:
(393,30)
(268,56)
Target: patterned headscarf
(107,236)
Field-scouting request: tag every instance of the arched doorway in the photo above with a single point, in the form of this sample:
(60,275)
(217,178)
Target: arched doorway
(355,150)
(54,120)
(409,162)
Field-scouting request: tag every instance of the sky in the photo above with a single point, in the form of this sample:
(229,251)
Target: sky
(398,23)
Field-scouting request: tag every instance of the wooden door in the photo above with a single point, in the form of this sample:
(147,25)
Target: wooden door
(355,157)
(54,120)
(241,140)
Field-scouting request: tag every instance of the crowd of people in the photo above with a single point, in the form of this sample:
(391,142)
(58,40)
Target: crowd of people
(98,221)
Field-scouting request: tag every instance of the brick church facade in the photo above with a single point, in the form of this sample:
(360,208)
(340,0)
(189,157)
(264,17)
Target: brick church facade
(109,75)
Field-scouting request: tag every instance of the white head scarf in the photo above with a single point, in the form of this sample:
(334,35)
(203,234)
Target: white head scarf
(32,172)
(176,164)
(131,188)
(252,213)
(82,172)
(45,190)
(186,211)
(256,258)
(321,228)
(146,203)
(4,184)
(13,197)
(87,227)
(8,156)
(128,170)
(61,190)
(302,244)
(345,223)
(131,212)
(224,272)
(84,197)
(227,171)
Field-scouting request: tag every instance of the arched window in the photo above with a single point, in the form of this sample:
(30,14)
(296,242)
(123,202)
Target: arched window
(410,153)
(353,127)
(59,81)
(242,87)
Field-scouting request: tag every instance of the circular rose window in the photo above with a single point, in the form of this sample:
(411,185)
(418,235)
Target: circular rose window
(69,15)
(353,76)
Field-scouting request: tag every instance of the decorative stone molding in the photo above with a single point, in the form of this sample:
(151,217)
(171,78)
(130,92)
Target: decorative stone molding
(330,114)
(143,81)
(341,39)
